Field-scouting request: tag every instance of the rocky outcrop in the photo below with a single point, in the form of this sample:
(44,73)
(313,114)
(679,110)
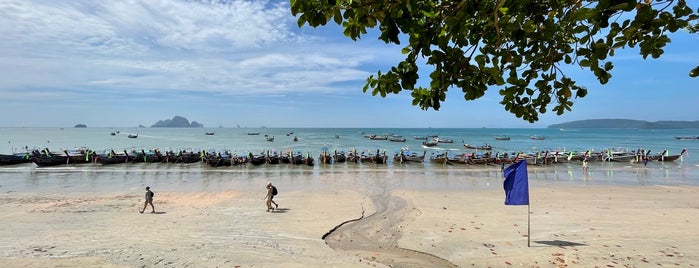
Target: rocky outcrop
(177,121)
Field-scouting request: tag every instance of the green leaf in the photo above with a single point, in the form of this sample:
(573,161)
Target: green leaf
(585,63)
(480,59)
(567,59)
(619,6)
(608,66)
(694,72)
(582,14)
(338,16)
(581,93)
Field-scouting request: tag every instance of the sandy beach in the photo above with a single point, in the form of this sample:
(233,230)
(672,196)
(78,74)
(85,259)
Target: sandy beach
(571,226)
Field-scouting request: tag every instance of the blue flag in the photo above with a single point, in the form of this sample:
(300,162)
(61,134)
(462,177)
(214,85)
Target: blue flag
(516,184)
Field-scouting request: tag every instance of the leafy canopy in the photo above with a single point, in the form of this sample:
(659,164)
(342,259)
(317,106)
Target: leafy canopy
(518,46)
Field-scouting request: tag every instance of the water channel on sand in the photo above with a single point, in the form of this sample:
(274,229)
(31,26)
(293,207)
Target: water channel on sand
(375,237)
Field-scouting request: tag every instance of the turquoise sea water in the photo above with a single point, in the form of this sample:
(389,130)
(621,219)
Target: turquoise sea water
(94,177)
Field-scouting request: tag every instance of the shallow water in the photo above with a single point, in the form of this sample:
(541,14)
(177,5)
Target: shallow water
(199,177)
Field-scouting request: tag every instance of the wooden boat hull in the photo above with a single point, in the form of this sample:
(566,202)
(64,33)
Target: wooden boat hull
(257,160)
(273,159)
(687,138)
(116,159)
(325,158)
(381,159)
(483,147)
(302,160)
(404,157)
(667,158)
(429,143)
(10,159)
(47,161)
(439,160)
(285,159)
(309,161)
(340,158)
(148,157)
(184,158)
(219,162)
(353,158)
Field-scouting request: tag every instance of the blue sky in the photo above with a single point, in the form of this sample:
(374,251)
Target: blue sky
(125,63)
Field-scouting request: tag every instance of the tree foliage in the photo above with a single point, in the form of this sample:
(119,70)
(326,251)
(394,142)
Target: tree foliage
(517,46)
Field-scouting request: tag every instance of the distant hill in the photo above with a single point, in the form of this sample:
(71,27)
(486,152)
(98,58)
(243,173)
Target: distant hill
(627,123)
(177,121)
(80,126)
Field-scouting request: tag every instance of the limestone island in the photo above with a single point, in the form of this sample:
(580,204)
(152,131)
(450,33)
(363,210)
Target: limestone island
(177,121)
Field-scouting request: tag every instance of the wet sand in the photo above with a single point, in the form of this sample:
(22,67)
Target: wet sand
(571,225)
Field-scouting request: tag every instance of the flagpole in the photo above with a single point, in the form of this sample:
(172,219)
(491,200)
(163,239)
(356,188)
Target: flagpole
(529,215)
(529,228)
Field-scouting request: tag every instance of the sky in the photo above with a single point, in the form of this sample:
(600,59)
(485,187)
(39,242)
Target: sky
(247,63)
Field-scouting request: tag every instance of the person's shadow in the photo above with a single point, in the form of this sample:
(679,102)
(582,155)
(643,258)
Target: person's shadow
(280,210)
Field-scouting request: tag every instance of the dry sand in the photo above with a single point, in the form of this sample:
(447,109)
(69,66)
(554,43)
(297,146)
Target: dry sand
(571,226)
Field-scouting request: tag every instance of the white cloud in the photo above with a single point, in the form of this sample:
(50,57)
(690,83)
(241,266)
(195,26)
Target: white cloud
(230,47)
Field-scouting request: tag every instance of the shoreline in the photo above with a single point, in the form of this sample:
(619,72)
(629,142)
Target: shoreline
(196,178)
(576,225)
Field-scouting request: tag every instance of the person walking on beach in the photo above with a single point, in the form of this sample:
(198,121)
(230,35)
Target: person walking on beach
(149,200)
(271,192)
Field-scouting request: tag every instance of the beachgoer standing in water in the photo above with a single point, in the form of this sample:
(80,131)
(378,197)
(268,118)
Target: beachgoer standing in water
(149,200)
(271,192)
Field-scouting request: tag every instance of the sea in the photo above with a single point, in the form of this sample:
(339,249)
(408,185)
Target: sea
(312,141)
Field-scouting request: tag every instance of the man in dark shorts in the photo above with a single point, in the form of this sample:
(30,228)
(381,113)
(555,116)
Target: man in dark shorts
(149,200)
(271,192)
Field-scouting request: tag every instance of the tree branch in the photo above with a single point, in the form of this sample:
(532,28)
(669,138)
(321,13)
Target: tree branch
(496,21)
